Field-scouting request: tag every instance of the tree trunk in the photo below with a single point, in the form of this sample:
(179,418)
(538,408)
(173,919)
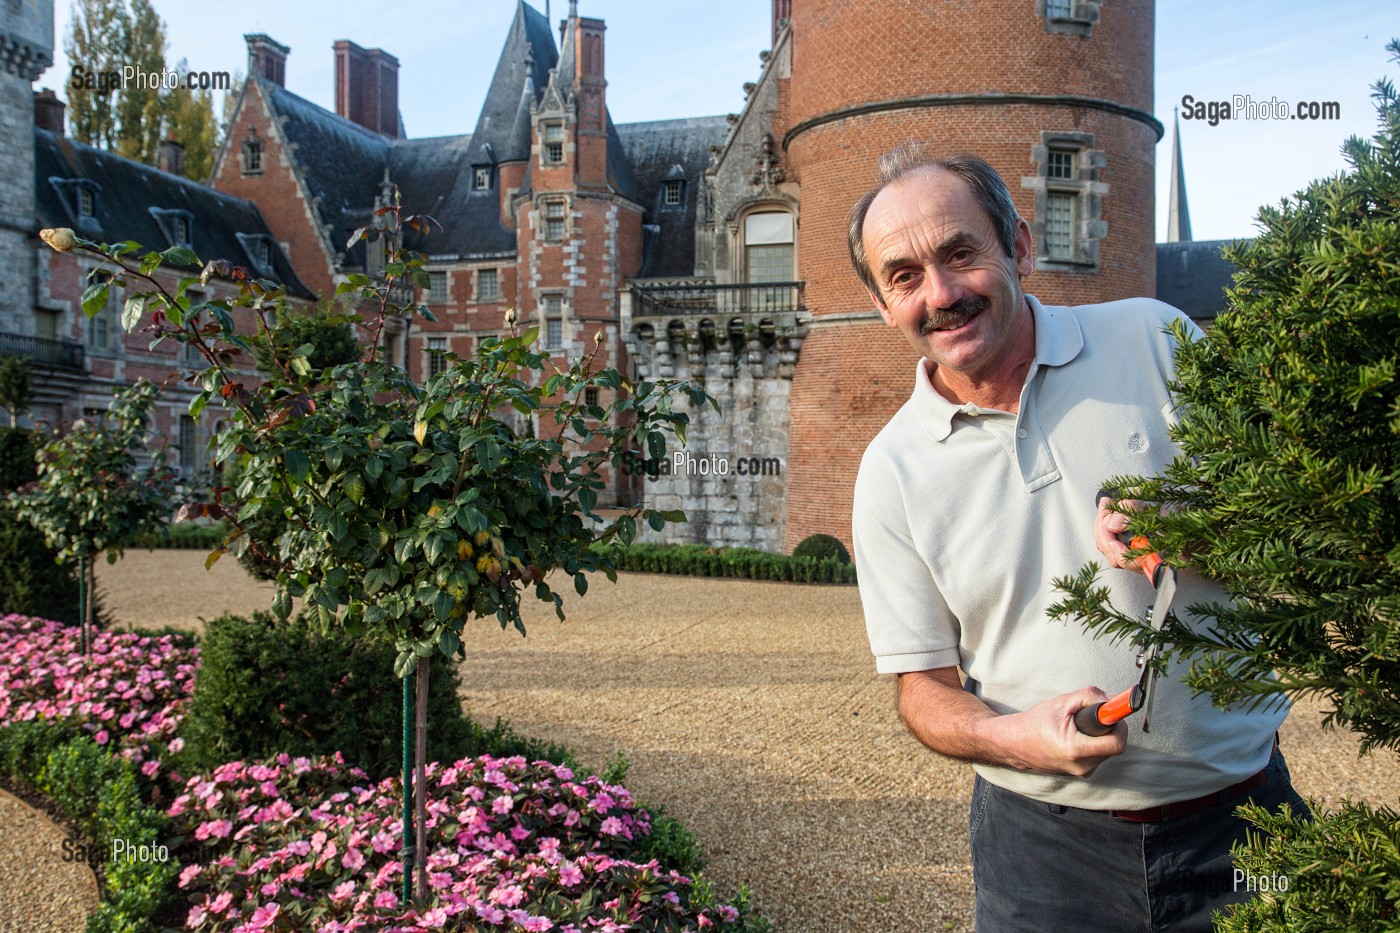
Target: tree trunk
(420,742)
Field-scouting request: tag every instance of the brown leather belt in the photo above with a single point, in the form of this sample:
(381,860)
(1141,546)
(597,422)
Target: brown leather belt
(1170,811)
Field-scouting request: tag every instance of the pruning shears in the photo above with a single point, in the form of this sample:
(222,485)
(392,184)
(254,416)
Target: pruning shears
(1100,718)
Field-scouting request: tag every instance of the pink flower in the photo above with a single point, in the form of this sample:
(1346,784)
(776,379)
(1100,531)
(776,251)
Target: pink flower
(219,829)
(569,875)
(263,917)
(188,874)
(386,899)
(221,903)
(433,919)
(612,826)
(342,891)
(102,737)
(353,860)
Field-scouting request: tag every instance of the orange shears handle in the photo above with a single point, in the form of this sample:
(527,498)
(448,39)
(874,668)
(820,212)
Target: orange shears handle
(1149,562)
(1099,718)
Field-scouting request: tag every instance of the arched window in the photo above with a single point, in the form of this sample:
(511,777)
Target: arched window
(768,247)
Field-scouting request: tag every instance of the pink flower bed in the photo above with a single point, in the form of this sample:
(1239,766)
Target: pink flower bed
(295,845)
(129,696)
(302,845)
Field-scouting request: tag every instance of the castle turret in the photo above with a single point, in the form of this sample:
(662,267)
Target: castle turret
(26,49)
(1056,95)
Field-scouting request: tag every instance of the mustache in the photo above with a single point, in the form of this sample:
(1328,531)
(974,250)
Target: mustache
(956,313)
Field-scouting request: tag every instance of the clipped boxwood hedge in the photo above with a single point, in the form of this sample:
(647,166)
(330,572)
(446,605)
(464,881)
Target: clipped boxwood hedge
(266,687)
(100,794)
(700,560)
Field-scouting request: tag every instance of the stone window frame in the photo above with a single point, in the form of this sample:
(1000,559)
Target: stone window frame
(1069,17)
(435,348)
(1089,228)
(493,276)
(552,150)
(438,290)
(551,320)
(547,230)
(250,154)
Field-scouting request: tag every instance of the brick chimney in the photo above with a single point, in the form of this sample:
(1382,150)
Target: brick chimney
(367,87)
(48,111)
(782,12)
(267,58)
(172,157)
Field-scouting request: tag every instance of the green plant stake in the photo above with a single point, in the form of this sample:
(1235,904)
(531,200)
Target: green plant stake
(409,839)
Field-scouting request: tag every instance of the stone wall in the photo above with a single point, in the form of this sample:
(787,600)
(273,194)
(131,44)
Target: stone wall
(26,49)
(730,477)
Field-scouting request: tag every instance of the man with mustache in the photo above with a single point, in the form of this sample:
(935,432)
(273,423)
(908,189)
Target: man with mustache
(977,494)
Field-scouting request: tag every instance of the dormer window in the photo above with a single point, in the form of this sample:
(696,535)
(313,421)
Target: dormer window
(553,150)
(673,193)
(251,153)
(482,179)
(177,225)
(260,249)
(87,201)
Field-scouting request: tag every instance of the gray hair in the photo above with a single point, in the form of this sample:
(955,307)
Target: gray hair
(981,179)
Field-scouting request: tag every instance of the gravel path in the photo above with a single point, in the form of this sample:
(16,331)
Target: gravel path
(39,892)
(752,712)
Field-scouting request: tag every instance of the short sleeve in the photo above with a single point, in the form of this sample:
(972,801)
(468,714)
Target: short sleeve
(907,619)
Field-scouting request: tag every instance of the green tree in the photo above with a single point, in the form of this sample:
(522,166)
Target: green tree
(142,106)
(189,120)
(1287,491)
(409,510)
(92,494)
(15,394)
(96,48)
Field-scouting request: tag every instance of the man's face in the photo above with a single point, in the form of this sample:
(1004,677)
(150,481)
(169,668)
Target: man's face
(944,279)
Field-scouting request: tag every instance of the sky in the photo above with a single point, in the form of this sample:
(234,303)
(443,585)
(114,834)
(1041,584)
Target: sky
(661,66)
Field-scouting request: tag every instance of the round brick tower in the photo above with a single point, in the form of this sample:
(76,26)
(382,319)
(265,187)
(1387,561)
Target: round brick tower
(1057,94)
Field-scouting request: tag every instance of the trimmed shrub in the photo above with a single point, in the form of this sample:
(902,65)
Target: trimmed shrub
(184,536)
(699,560)
(266,687)
(821,547)
(100,794)
(32,582)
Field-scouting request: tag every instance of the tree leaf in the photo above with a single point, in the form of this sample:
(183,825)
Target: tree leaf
(132,310)
(298,466)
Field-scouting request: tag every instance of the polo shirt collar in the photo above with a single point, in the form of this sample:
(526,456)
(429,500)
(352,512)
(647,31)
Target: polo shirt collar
(1058,340)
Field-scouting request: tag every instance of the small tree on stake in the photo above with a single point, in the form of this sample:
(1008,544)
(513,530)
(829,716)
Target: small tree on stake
(411,510)
(92,494)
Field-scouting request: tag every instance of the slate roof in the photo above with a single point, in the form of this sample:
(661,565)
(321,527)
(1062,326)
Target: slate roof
(1193,276)
(127,192)
(526,58)
(343,164)
(654,149)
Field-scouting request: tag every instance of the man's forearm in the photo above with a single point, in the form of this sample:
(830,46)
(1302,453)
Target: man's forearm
(953,722)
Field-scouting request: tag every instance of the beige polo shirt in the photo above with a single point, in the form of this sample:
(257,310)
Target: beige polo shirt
(963,517)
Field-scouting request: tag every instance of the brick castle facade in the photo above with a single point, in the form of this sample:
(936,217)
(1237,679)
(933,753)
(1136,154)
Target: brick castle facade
(711,249)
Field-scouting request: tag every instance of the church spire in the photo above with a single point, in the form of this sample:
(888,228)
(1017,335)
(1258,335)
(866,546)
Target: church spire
(1178,217)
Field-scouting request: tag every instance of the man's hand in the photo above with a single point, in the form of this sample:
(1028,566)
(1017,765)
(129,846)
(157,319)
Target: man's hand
(1045,738)
(951,721)
(1108,526)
